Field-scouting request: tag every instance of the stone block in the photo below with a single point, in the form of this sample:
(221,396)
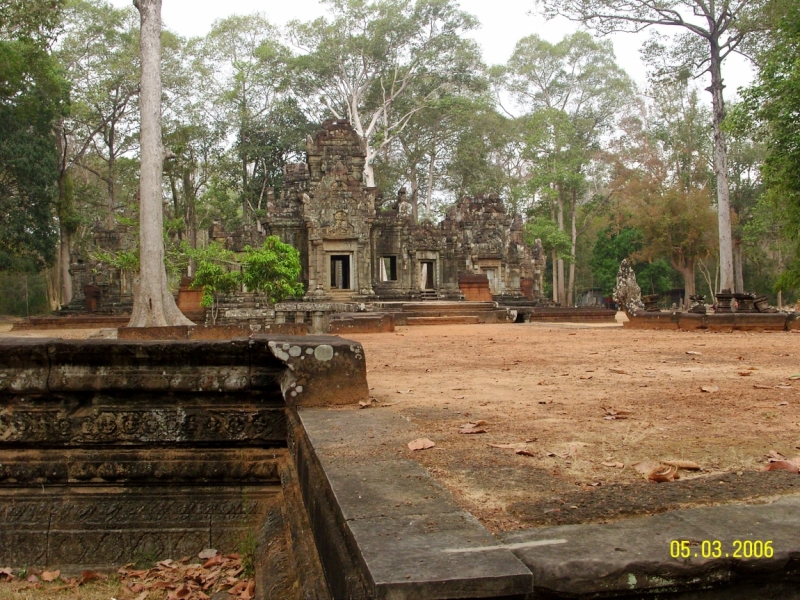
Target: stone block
(118,365)
(321,369)
(361,323)
(24,366)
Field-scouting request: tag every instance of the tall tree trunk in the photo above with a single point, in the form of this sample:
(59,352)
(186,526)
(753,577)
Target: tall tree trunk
(686,269)
(64,259)
(153,304)
(554,258)
(429,195)
(738,265)
(64,278)
(574,238)
(414,197)
(727,280)
(369,170)
(110,221)
(561,291)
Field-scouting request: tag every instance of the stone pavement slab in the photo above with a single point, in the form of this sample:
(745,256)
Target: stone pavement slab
(633,555)
(402,523)
(410,540)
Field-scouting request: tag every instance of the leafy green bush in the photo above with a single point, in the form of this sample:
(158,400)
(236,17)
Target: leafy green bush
(273,270)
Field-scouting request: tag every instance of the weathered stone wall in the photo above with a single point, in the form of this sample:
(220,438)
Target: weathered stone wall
(114,451)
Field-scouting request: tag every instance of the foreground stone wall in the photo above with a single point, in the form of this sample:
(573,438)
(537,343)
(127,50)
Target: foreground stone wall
(113,451)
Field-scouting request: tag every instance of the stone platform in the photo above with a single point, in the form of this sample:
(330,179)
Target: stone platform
(444,312)
(715,322)
(114,451)
(86,321)
(386,529)
(564,315)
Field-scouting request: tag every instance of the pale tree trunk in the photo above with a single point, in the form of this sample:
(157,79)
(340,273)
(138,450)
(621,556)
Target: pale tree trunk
(574,239)
(64,279)
(561,291)
(554,259)
(414,197)
(738,266)
(369,171)
(64,265)
(727,280)
(686,269)
(153,304)
(51,277)
(429,198)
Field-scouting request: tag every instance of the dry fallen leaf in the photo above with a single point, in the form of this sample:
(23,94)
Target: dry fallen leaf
(783,386)
(781,465)
(207,553)
(797,376)
(745,373)
(405,391)
(709,389)
(619,371)
(470,429)
(420,444)
(50,575)
(504,446)
(762,387)
(693,353)
(363,404)
(664,474)
(689,465)
(646,467)
(524,452)
(7,573)
(616,465)
(143,595)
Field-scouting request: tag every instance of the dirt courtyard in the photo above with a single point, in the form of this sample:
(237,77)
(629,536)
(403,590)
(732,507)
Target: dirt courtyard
(551,391)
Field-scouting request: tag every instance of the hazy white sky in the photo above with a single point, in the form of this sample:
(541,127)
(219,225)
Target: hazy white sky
(503,23)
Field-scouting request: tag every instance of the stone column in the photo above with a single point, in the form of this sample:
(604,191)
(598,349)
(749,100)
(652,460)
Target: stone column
(280,316)
(318,322)
(300,316)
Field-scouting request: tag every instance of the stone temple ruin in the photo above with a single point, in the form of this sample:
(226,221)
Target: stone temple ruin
(353,250)
(358,253)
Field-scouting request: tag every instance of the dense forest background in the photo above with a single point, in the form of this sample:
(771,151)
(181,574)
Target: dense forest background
(601,169)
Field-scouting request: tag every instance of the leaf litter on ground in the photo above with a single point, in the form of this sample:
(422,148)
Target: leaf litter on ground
(183,579)
(472,427)
(420,444)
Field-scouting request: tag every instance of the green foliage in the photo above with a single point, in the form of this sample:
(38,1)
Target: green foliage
(773,105)
(609,251)
(23,294)
(273,270)
(248,546)
(125,260)
(217,272)
(551,236)
(33,95)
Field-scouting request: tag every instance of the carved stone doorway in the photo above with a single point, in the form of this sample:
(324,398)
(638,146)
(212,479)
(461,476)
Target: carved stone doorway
(341,278)
(426,278)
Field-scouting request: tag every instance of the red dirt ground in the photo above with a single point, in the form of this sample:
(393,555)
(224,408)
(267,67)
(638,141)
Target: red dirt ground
(545,388)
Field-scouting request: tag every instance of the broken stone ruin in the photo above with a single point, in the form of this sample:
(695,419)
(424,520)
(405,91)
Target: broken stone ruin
(627,293)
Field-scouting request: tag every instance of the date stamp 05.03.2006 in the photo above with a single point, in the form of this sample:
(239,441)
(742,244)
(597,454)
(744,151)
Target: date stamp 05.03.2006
(748,549)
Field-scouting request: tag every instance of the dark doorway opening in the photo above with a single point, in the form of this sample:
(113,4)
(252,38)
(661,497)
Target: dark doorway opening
(427,279)
(340,272)
(389,268)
